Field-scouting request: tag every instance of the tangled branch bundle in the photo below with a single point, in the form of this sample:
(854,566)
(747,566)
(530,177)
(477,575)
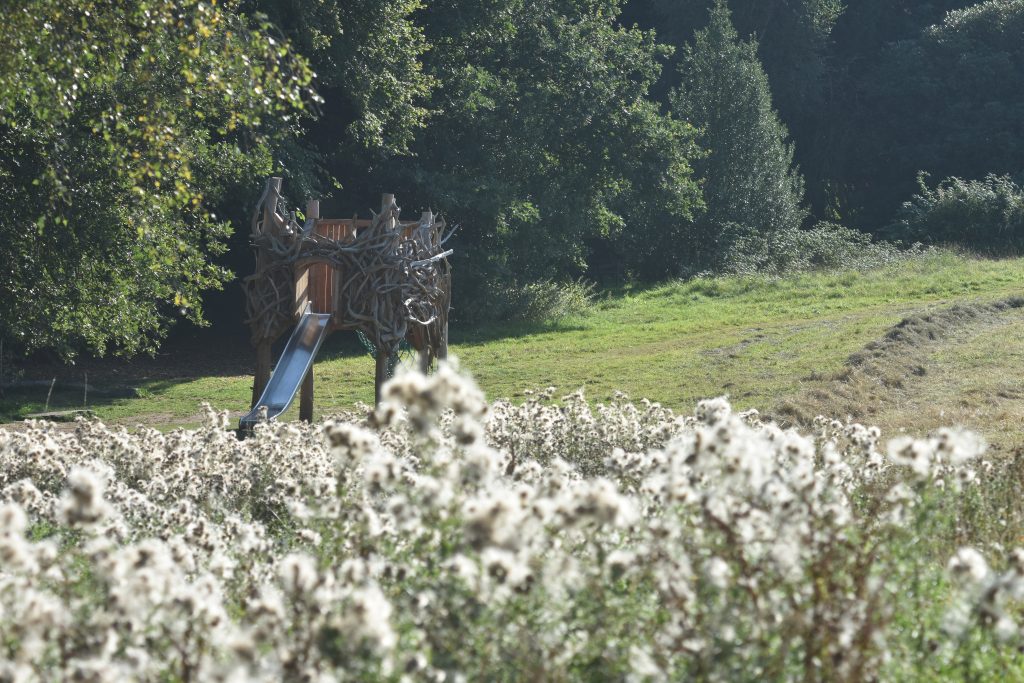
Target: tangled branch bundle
(391,281)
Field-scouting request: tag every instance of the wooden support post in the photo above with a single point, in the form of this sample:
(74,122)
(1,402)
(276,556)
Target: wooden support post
(442,348)
(263,258)
(302,297)
(302,278)
(425,360)
(262,374)
(302,293)
(306,398)
(386,200)
(381,375)
(270,217)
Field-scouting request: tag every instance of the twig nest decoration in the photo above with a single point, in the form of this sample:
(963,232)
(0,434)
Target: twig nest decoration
(388,279)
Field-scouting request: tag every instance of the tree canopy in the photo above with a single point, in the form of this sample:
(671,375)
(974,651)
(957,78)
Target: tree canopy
(948,101)
(750,184)
(597,138)
(542,137)
(121,124)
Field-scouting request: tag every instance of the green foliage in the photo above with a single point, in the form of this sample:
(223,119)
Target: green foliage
(750,185)
(542,138)
(873,91)
(792,41)
(543,301)
(983,214)
(949,101)
(826,246)
(120,125)
(924,90)
(132,135)
(367,56)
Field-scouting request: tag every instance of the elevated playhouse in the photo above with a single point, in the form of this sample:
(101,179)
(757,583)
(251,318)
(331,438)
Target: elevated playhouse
(386,278)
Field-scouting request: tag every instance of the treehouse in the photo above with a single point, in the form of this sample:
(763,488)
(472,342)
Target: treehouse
(386,278)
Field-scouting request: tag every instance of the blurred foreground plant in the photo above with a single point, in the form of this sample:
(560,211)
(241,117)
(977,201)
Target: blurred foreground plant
(441,537)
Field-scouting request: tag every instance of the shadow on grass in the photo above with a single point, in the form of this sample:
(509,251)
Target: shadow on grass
(189,357)
(346,344)
(489,332)
(18,403)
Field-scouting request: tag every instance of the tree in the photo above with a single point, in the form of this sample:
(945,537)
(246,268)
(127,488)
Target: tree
(795,47)
(948,100)
(828,61)
(541,138)
(121,124)
(750,184)
(367,56)
(792,36)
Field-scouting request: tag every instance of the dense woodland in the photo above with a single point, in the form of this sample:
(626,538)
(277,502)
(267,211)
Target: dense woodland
(570,140)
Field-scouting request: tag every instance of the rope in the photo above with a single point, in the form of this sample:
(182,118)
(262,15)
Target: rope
(406,353)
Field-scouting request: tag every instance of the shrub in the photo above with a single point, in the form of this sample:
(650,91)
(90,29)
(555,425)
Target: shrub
(826,246)
(986,215)
(543,301)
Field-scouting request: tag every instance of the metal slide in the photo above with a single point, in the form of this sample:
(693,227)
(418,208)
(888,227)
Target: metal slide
(295,362)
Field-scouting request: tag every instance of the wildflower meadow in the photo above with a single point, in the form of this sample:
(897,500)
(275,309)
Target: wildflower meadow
(443,538)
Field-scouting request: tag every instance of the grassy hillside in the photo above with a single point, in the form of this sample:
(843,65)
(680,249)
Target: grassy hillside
(782,346)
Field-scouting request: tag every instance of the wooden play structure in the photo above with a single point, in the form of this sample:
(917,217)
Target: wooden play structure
(386,278)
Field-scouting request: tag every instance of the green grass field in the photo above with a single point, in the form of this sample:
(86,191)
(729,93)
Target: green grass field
(767,343)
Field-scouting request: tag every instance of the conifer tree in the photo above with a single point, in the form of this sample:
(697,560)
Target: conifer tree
(752,190)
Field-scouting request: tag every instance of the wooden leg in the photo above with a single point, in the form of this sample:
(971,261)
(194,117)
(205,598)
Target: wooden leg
(442,349)
(425,360)
(262,374)
(306,398)
(382,372)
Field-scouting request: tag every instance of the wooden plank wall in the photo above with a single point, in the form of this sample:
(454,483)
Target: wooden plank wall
(320,279)
(321,276)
